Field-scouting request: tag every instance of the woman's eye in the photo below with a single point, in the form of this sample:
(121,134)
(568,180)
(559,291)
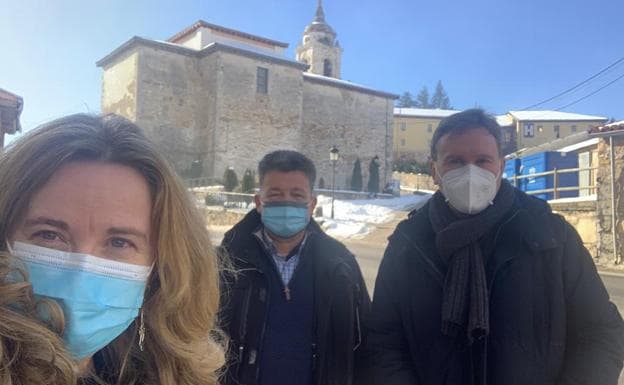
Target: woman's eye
(120,243)
(47,235)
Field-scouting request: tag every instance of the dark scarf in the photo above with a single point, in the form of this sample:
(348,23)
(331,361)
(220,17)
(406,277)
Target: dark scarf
(465,308)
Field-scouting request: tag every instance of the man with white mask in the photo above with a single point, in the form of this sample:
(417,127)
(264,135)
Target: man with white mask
(485,285)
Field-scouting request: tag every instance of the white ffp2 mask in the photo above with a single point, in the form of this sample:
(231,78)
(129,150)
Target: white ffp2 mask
(469,189)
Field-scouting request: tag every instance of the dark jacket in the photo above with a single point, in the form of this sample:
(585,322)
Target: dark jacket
(551,321)
(341,304)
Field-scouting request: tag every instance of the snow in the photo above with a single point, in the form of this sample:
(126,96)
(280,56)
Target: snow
(356,218)
(581,145)
(424,112)
(338,81)
(504,120)
(552,115)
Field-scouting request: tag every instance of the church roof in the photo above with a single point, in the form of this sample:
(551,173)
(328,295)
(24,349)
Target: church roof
(424,112)
(228,31)
(318,23)
(10,109)
(137,41)
(314,78)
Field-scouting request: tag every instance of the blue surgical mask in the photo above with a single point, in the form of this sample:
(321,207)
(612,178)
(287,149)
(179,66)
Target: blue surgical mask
(285,219)
(100,297)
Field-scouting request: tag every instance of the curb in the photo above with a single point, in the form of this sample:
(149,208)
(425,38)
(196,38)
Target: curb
(611,273)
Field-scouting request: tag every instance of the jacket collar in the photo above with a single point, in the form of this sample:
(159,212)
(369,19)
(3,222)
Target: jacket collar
(526,223)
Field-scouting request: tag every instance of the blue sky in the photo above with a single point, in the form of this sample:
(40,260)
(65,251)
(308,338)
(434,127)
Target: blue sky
(498,54)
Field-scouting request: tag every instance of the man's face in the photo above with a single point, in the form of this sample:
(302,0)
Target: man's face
(291,186)
(475,146)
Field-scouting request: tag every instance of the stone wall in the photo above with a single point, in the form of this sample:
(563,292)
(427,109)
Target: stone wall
(605,240)
(250,124)
(415,181)
(173,105)
(583,217)
(358,124)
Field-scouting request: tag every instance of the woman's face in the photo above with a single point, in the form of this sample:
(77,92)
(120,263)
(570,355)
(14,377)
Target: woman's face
(97,208)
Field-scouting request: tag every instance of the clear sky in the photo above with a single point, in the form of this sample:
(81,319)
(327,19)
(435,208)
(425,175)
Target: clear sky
(498,54)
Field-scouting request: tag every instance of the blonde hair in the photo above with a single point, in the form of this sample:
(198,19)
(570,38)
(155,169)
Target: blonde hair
(182,295)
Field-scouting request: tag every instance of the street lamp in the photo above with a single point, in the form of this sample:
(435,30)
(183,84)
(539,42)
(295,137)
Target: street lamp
(333,156)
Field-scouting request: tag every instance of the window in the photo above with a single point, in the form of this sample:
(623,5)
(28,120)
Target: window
(327,68)
(573,128)
(402,126)
(262,80)
(540,129)
(529,130)
(557,132)
(430,128)
(507,137)
(402,142)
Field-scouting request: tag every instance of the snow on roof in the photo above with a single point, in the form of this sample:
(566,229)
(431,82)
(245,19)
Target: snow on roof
(552,115)
(578,146)
(504,120)
(347,84)
(424,112)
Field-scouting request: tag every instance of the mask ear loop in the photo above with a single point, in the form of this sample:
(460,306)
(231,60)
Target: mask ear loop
(141,332)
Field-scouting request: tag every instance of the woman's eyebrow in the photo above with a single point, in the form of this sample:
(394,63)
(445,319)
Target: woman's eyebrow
(29,222)
(127,231)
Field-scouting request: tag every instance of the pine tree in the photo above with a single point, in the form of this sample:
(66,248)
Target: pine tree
(248,183)
(230,180)
(356,177)
(406,100)
(440,99)
(373,175)
(422,100)
(321,183)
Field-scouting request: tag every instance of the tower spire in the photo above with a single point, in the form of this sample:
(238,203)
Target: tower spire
(320,15)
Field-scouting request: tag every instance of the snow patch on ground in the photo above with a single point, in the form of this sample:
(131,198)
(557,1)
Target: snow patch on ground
(356,218)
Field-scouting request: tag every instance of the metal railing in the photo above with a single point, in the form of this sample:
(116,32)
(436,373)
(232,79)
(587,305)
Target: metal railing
(229,199)
(556,173)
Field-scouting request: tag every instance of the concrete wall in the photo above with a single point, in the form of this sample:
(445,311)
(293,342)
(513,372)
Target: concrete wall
(582,215)
(544,131)
(412,136)
(358,124)
(119,86)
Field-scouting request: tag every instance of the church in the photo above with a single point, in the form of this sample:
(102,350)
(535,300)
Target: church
(215,98)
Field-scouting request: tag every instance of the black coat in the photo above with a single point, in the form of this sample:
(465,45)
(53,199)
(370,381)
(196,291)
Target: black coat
(341,304)
(551,321)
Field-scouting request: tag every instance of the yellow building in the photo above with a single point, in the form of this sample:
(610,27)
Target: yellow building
(532,128)
(413,129)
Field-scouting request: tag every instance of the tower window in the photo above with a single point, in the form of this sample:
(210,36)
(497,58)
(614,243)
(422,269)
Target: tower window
(262,80)
(327,68)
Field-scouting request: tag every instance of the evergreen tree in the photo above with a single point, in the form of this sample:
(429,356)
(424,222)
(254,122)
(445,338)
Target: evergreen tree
(356,177)
(422,100)
(230,180)
(248,183)
(406,100)
(373,175)
(440,99)
(321,183)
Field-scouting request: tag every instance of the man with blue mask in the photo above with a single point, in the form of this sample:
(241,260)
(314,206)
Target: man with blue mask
(295,305)
(485,285)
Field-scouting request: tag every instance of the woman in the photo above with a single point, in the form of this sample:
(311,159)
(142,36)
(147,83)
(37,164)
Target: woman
(118,257)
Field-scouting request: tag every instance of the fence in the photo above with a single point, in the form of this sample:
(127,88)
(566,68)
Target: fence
(229,200)
(556,189)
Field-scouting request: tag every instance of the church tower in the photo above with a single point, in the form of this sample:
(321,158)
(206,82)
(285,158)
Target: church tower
(319,48)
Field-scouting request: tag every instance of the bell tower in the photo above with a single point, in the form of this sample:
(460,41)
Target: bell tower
(319,47)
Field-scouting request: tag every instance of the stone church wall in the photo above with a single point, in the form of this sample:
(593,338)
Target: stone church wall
(358,124)
(250,124)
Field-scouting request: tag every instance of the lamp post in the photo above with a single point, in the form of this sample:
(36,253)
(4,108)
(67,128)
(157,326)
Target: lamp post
(333,156)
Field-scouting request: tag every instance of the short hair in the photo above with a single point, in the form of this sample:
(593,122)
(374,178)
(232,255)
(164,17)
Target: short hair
(464,121)
(287,161)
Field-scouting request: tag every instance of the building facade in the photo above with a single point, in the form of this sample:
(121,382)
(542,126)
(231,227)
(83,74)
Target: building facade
(218,98)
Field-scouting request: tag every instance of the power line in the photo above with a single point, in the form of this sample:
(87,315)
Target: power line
(577,85)
(591,94)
